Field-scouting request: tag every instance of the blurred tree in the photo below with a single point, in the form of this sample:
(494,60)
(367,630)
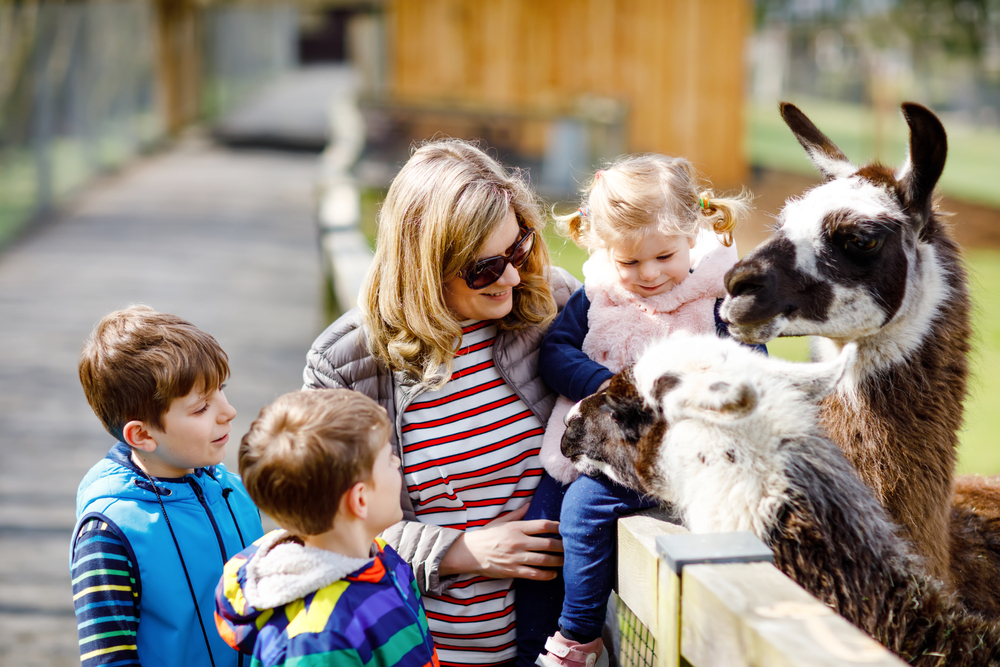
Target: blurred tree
(934,32)
(961,27)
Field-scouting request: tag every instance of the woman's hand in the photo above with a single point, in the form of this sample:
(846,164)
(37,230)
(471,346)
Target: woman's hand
(506,547)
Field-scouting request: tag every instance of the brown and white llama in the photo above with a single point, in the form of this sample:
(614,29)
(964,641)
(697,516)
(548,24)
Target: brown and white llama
(865,257)
(732,440)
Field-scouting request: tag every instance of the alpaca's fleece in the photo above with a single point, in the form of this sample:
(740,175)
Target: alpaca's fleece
(732,440)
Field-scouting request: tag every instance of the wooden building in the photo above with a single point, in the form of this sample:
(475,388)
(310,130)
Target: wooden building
(672,69)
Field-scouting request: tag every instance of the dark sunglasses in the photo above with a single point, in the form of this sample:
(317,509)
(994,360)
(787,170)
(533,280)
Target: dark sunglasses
(487,271)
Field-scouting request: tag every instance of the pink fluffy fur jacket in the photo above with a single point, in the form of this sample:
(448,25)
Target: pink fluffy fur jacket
(622,323)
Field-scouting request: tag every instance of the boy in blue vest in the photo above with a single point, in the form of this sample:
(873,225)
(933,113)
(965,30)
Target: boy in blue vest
(160,515)
(323,590)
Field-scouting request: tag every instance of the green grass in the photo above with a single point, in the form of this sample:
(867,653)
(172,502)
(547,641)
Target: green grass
(979,452)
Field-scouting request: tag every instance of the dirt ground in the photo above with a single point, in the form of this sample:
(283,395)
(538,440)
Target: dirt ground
(974,226)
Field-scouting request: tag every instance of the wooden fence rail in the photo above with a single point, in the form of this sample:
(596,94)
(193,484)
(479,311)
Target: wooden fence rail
(717,600)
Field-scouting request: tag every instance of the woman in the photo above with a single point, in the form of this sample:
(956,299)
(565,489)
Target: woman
(446,338)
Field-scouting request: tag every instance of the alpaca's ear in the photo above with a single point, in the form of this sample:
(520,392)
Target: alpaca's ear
(824,154)
(729,400)
(819,380)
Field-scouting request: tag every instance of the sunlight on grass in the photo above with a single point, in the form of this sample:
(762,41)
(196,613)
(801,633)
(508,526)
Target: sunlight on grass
(564,252)
(980,452)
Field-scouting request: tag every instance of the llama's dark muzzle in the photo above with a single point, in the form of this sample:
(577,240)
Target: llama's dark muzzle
(754,295)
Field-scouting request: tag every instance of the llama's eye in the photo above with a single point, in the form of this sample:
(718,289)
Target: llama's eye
(863,244)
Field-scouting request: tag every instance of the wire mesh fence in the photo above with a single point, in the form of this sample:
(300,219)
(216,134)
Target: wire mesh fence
(636,646)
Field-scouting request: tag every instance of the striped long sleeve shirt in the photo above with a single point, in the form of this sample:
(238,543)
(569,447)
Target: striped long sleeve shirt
(105,596)
(471,452)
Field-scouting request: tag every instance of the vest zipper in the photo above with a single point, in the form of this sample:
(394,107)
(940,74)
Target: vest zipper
(200,495)
(218,535)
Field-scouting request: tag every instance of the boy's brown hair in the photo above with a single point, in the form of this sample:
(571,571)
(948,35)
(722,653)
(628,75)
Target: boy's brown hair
(306,449)
(138,361)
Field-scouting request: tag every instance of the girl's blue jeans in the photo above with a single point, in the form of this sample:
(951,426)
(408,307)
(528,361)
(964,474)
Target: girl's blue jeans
(577,601)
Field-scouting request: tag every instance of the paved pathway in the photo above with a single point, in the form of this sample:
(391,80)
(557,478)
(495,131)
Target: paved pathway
(224,239)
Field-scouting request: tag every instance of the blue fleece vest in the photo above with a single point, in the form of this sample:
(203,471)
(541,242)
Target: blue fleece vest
(170,631)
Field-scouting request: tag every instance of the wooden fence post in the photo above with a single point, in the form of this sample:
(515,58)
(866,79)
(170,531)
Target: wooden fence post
(178,46)
(688,549)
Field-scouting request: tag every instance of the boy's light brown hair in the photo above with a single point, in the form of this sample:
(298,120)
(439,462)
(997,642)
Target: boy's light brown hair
(306,449)
(138,361)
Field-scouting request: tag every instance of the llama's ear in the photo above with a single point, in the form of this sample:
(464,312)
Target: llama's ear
(819,380)
(824,154)
(923,167)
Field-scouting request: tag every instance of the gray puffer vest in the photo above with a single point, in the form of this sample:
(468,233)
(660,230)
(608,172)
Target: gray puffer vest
(340,358)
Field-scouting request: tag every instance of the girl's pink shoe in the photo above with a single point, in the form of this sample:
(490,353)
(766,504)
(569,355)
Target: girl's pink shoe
(562,652)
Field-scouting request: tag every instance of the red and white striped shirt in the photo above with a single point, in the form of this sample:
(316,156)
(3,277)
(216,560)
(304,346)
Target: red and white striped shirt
(471,452)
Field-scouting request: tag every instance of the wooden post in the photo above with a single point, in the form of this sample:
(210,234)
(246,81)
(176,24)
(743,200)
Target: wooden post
(639,570)
(686,549)
(178,62)
(668,615)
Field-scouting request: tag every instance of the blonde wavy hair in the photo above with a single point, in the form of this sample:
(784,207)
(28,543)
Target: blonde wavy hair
(441,209)
(640,193)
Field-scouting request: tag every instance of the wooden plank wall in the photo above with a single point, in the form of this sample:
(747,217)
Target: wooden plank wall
(677,64)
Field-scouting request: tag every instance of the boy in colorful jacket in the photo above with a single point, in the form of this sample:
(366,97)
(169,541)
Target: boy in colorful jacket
(159,516)
(323,590)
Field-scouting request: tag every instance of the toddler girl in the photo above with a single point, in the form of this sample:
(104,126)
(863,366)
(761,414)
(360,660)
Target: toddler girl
(656,266)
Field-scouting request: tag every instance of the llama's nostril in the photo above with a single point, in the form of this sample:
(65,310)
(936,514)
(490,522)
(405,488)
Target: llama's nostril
(747,285)
(745,279)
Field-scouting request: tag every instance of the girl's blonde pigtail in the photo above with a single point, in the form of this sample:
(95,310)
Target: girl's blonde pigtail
(723,213)
(573,225)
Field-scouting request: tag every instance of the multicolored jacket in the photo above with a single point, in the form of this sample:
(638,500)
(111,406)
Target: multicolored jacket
(287,603)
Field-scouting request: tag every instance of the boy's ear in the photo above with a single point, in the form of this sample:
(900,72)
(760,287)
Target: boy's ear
(355,501)
(137,435)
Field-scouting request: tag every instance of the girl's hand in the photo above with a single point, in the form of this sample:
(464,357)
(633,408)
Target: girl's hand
(506,547)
